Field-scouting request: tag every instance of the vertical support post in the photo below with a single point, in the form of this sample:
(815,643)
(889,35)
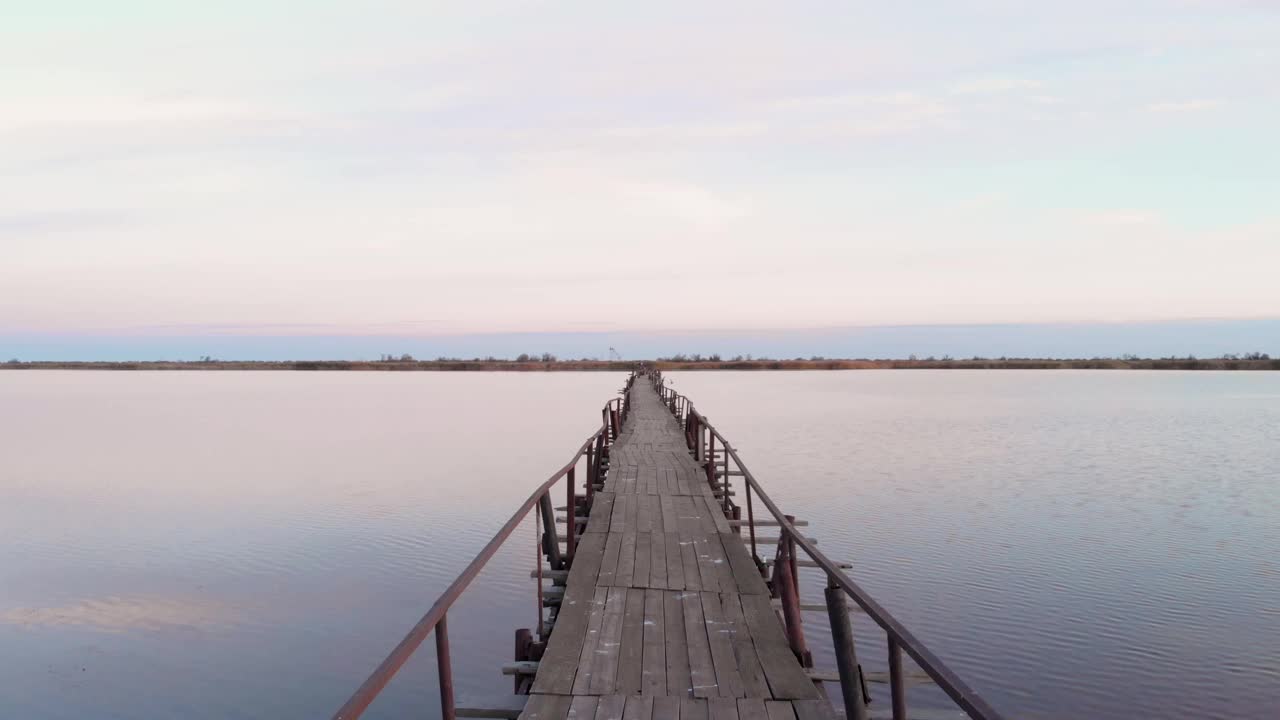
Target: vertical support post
(571,515)
(726,479)
(550,543)
(614,412)
(791,555)
(523,640)
(711,460)
(537,559)
(846,657)
(897,688)
(445,668)
(751,519)
(791,609)
(737,515)
(591,488)
(591,467)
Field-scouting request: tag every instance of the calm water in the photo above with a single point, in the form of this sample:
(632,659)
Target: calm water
(250,545)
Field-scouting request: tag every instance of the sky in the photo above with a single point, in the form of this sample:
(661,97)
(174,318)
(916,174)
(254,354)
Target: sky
(300,178)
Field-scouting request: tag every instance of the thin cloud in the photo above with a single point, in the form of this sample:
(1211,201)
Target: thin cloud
(994,86)
(1184,106)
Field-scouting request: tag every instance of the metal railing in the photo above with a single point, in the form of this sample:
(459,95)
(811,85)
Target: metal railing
(702,438)
(595,450)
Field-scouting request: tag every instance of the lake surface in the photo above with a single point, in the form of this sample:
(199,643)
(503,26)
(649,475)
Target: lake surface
(251,545)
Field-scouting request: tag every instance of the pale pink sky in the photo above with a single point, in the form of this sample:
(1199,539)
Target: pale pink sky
(426,168)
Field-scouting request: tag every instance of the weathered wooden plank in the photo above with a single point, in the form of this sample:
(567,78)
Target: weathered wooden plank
(601,513)
(649,481)
(587,659)
(787,680)
(560,661)
(546,707)
(702,669)
(716,512)
(679,679)
(718,637)
(779,710)
(609,563)
(689,562)
(670,520)
(626,559)
(630,658)
(818,709)
(583,708)
(752,708)
(644,514)
(666,708)
(745,575)
(607,654)
(719,564)
(641,575)
(633,512)
(693,709)
(658,561)
(707,570)
(722,708)
(675,561)
(621,504)
(611,707)
(687,517)
(754,683)
(640,707)
(653,660)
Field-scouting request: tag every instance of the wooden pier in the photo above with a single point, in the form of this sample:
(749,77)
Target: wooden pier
(662,608)
(665,614)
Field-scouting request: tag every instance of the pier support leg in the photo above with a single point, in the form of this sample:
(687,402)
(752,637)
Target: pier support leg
(791,611)
(445,668)
(897,685)
(550,543)
(846,657)
(571,531)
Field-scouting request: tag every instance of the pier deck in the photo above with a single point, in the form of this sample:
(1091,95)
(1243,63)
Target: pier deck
(665,614)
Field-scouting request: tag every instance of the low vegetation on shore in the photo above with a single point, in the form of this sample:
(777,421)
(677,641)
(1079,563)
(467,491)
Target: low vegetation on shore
(549,362)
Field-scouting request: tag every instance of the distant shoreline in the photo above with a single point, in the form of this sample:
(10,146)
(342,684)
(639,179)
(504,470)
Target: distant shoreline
(666,365)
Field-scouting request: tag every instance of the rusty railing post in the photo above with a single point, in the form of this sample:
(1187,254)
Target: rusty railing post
(595,477)
(846,658)
(897,686)
(791,556)
(711,460)
(571,514)
(537,559)
(791,609)
(445,668)
(751,521)
(726,478)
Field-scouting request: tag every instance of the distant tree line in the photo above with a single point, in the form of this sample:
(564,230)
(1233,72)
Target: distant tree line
(716,357)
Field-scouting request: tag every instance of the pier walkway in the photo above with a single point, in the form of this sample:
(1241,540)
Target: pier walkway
(665,615)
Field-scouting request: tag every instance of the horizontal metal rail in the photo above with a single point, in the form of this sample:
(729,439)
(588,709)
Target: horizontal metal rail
(435,620)
(704,439)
